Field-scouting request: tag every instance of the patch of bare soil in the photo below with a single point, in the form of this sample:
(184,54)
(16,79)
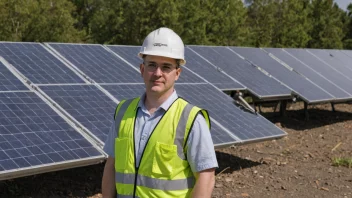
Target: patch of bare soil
(299,165)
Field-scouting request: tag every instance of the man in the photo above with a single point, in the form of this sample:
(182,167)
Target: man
(159,145)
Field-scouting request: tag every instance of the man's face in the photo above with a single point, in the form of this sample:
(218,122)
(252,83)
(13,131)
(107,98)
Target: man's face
(159,74)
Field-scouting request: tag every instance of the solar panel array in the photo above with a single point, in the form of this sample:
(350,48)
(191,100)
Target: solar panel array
(304,88)
(87,104)
(33,136)
(259,84)
(319,67)
(37,64)
(8,81)
(310,73)
(97,63)
(65,120)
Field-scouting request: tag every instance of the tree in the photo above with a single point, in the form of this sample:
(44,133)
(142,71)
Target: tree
(261,21)
(226,23)
(348,38)
(39,20)
(292,26)
(327,30)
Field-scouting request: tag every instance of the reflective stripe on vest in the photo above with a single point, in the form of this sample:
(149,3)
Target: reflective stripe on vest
(181,130)
(160,184)
(120,114)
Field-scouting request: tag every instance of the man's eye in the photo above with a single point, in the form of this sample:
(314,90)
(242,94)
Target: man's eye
(151,65)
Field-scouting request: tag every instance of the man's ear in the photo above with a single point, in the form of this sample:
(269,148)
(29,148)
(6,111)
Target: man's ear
(141,68)
(178,73)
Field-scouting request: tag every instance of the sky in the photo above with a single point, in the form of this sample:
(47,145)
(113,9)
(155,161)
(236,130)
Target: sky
(343,3)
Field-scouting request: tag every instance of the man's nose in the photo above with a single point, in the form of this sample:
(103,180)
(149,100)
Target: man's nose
(158,71)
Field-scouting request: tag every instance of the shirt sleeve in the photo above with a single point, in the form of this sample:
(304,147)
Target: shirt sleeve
(109,146)
(201,153)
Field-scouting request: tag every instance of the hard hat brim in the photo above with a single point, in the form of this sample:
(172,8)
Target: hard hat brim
(182,61)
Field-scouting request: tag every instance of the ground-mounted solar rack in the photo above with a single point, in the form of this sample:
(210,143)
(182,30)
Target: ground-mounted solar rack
(35,152)
(238,69)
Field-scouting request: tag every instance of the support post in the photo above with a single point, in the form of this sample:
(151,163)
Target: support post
(306,111)
(283,105)
(333,107)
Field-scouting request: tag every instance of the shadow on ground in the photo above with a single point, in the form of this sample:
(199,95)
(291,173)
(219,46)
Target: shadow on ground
(296,118)
(229,163)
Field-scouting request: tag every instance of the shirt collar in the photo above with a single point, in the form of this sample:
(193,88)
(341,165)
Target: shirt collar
(166,105)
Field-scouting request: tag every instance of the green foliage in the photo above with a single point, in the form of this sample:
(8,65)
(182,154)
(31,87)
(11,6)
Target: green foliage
(292,25)
(347,162)
(260,23)
(37,20)
(327,31)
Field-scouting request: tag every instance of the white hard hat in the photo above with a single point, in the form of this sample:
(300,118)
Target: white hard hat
(163,42)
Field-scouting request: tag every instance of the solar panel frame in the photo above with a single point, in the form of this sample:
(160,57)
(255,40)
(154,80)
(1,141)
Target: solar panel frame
(334,63)
(8,80)
(303,69)
(320,68)
(301,86)
(129,55)
(93,114)
(242,71)
(104,67)
(38,64)
(210,72)
(31,132)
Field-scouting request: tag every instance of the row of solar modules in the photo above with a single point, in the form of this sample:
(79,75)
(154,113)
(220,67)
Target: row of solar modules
(57,103)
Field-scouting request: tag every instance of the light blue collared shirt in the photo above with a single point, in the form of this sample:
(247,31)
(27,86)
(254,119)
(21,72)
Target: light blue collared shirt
(200,153)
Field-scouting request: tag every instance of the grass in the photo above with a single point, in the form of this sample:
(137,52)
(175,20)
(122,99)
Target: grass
(338,161)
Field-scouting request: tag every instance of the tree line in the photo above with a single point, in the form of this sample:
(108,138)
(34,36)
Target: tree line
(256,23)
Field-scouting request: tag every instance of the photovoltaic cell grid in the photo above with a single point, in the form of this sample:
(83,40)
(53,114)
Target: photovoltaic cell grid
(304,88)
(344,58)
(321,68)
(256,81)
(305,70)
(87,104)
(334,63)
(129,53)
(210,72)
(8,81)
(98,63)
(32,134)
(246,126)
(37,64)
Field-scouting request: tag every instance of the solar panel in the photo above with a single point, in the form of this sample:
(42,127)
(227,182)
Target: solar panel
(347,52)
(85,103)
(256,81)
(33,138)
(98,63)
(210,72)
(8,81)
(305,70)
(300,85)
(129,53)
(37,64)
(230,124)
(338,54)
(334,63)
(321,68)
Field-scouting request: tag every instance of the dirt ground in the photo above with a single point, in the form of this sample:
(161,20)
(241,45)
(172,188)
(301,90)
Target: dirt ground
(299,165)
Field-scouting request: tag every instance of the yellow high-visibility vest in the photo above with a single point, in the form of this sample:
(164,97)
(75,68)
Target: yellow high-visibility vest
(164,170)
